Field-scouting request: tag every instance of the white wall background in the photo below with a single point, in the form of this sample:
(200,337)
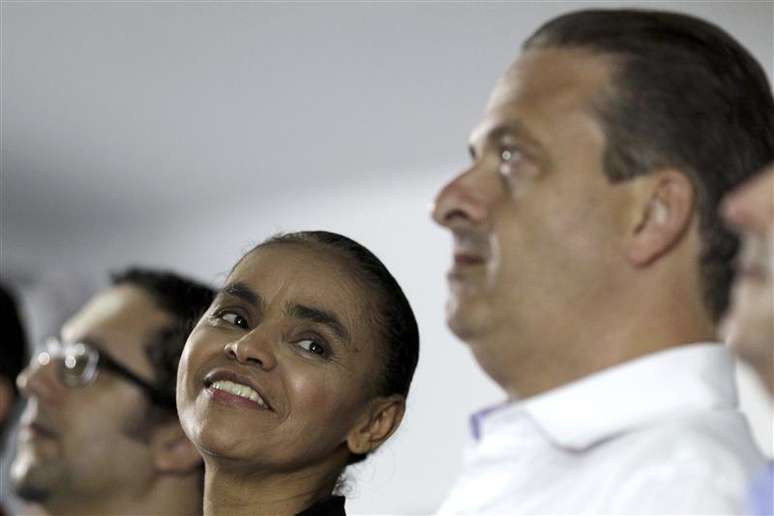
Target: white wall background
(179,134)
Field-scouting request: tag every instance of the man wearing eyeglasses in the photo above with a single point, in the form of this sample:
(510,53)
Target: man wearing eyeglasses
(100,433)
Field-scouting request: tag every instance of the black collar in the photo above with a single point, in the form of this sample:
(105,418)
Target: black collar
(330,506)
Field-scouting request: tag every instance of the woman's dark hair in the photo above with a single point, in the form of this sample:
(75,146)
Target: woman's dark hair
(392,317)
(684,94)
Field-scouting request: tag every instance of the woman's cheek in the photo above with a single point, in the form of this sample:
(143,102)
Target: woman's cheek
(200,347)
(324,398)
(308,386)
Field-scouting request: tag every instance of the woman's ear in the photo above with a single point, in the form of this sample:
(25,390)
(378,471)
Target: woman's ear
(173,453)
(380,420)
(664,211)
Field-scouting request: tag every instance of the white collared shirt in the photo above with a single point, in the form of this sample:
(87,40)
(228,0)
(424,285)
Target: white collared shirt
(661,434)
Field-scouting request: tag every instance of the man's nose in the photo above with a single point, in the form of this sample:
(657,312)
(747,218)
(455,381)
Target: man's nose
(254,348)
(39,379)
(464,200)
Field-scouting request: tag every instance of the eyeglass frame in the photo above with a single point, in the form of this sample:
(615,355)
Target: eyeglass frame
(105,361)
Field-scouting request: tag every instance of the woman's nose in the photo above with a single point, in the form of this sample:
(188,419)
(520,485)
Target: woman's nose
(253,348)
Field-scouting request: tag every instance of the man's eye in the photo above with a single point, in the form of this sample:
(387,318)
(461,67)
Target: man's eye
(509,158)
(233,318)
(312,346)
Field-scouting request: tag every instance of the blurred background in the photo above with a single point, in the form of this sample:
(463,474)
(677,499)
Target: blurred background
(177,135)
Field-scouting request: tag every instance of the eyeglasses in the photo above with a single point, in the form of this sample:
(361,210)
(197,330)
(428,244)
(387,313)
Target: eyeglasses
(79,365)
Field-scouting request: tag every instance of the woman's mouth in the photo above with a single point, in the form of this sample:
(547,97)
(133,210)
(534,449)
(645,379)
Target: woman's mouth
(233,389)
(240,391)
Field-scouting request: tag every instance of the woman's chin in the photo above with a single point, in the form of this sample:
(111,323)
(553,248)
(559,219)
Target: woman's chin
(219,442)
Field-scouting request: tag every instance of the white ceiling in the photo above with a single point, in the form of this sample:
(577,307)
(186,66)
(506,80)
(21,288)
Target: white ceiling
(131,111)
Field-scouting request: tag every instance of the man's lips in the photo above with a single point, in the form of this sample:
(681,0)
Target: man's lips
(470,247)
(36,422)
(465,266)
(38,431)
(463,259)
(752,266)
(228,375)
(755,273)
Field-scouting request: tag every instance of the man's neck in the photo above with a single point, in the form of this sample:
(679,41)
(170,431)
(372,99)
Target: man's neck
(172,496)
(235,492)
(561,355)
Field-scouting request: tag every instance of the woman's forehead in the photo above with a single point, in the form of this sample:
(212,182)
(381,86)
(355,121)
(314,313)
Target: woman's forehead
(300,274)
(289,277)
(288,259)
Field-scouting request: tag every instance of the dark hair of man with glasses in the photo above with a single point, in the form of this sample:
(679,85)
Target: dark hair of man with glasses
(100,433)
(186,301)
(13,352)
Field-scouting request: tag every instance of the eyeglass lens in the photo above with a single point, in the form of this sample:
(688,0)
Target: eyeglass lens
(77,362)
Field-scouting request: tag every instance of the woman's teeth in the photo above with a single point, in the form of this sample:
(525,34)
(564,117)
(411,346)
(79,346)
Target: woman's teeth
(238,389)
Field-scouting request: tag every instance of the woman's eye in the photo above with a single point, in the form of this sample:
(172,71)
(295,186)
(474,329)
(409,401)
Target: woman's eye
(233,318)
(312,346)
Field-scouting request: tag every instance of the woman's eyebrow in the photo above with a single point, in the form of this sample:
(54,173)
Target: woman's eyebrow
(243,292)
(321,316)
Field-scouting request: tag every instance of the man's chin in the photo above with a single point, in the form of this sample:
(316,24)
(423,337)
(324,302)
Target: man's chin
(32,494)
(466,318)
(32,483)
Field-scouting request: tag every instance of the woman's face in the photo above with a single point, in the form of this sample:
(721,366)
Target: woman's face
(282,366)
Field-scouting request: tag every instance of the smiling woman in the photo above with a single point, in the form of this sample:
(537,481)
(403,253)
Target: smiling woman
(300,367)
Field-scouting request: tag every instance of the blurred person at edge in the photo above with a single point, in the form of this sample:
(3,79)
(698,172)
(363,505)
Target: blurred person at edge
(300,368)
(100,433)
(749,322)
(13,351)
(591,266)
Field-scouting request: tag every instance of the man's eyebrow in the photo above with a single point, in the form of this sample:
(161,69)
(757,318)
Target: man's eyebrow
(318,315)
(243,292)
(91,342)
(490,134)
(515,128)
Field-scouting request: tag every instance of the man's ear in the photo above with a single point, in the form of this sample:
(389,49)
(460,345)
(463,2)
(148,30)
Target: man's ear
(664,211)
(381,418)
(173,453)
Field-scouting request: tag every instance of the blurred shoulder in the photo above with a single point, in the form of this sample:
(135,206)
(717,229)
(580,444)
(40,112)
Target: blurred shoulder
(699,462)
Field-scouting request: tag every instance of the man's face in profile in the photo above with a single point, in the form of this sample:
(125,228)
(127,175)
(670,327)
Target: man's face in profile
(534,218)
(749,324)
(76,442)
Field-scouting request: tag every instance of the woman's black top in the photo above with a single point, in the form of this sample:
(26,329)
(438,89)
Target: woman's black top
(331,506)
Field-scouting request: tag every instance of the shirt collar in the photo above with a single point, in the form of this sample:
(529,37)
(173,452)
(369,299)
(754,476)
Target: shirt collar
(650,388)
